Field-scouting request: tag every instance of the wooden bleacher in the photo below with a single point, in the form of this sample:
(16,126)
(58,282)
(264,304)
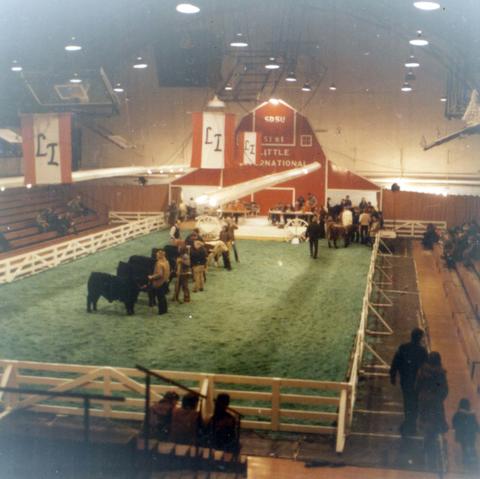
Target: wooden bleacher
(463,309)
(19,209)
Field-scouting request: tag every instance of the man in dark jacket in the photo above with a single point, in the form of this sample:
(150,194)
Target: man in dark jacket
(313,233)
(407,361)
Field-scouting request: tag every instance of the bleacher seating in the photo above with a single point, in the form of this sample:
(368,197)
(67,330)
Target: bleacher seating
(19,209)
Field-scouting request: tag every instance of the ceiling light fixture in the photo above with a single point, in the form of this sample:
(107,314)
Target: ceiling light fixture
(406,87)
(410,76)
(73,46)
(306,86)
(140,63)
(419,41)
(2,188)
(272,64)
(16,67)
(274,101)
(426,5)
(188,8)
(118,88)
(291,77)
(332,87)
(239,41)
(412,62)
(443,99)
(28,185)
(228,87)
(75,79)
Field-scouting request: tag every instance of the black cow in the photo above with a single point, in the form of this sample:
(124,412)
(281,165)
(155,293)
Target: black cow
(112,288)
(141,267)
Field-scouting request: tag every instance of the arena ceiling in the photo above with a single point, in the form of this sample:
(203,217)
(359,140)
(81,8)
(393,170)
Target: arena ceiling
(357,45)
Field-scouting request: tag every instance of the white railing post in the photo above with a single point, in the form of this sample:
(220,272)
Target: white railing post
(341,425)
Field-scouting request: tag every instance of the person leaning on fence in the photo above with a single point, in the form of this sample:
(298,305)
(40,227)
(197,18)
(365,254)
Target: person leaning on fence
(466,429)
(160,416)
(408,359)
(223,428)
(186,421)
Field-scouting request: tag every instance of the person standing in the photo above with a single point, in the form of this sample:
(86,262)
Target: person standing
(408,359)
(432,390)
(183,273)
(364,225)
(175,231)
(347,223)
(198,258)
(466,428)
(172,213)
(231,227)
(160,279)
(313,233)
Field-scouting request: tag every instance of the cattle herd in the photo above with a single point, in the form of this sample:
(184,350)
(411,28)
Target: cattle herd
(130,280)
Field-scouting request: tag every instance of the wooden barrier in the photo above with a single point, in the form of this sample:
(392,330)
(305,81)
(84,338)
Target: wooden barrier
(275,404)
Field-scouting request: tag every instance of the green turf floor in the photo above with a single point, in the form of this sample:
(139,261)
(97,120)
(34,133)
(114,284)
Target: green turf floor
(278,313)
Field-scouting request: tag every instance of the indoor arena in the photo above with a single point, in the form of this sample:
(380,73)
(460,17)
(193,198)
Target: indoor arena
(239,239)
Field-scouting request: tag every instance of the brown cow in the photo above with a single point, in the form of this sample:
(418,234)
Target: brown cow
(335,231)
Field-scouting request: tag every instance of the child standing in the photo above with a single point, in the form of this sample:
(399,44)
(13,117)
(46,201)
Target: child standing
(466,427)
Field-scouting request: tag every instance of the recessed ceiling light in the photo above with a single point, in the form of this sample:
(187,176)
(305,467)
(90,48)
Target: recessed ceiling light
(75,79)
(73,46)
(332,87)
(16,67)
(272,64)
(406,87)
(2,188)
(187,8)
(443,99)
(239,41)
(140,63)
(306,87)
(291,77)
(410,76)
(412,62)
(426,5)
(419,41)
(28,185)
(228,87)
(118,88)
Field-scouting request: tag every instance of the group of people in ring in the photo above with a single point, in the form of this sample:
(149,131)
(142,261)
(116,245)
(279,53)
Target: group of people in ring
(424,385)
(188,259)
(184,424)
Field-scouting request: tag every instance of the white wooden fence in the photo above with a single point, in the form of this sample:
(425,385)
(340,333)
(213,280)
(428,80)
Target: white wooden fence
(412,228)
(132,216)
(274,404)
(27,264)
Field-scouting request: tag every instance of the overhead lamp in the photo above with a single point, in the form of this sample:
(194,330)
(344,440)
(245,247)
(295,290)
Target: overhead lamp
(28,185)
(412,62)
(443,99)
(239,41)
(228,87)
(419,41)
(118,88)
(73,46)
(426,5)
(410,76)
(2,188)
(272,64)
(16,67)
(332,87)
(140,63)
(306,86)
(406,87)
(188,8)
(75,79)
(274,101)
(215,102)
(291,77)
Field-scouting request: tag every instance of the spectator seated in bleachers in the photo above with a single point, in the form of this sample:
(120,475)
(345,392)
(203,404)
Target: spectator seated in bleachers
(223,428)
(186,421)
(4,244)
(77,208)
(160,416)
(462,244)
(430,237)
(63,224)
(45,219)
